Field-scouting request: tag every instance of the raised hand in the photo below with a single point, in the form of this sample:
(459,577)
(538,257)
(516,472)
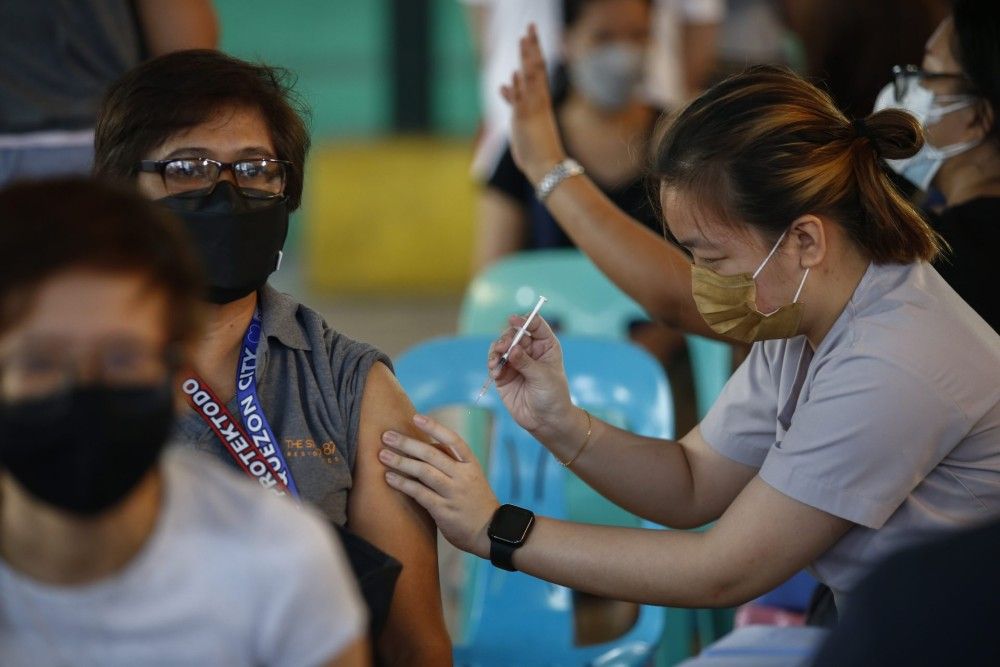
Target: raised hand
(534,138)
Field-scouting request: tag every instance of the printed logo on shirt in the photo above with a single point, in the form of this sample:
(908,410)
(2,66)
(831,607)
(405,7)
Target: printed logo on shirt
(309,448)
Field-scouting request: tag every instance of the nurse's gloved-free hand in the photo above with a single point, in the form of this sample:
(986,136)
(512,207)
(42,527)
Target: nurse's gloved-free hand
(534,139)
(445,479)
(533,383)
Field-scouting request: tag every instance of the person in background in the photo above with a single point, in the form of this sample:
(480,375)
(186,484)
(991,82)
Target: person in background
(603,119)
(606,125)
(849,45)
(955,96)
(113,552)
(220,142)
(56,59)
(681,56)
(848,433)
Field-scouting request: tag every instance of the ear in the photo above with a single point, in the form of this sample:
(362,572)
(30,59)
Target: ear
(808,237)
(982,119)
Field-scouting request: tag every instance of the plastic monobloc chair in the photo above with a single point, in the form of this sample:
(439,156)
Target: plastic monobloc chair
(583,301)
(608,377)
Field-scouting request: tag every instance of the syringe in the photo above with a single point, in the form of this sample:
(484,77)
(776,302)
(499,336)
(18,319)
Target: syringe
(517,339)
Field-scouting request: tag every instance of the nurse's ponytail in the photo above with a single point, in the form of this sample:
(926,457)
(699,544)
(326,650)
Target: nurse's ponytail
(765,147)
(890,230)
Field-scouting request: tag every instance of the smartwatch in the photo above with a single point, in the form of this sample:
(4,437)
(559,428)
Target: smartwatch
(508,530)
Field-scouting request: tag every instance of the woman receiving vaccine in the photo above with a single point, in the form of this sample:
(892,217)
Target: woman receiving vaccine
(866,417)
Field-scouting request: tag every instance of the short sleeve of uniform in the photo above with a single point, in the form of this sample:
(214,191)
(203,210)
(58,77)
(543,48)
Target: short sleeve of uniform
(866,435)
(315,611)
(741,423)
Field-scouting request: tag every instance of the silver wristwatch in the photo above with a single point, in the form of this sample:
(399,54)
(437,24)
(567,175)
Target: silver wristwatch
(557,175)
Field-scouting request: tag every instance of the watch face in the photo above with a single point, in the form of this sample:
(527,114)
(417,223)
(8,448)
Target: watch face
(510,524)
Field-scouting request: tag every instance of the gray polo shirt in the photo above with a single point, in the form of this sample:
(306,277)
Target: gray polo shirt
(893,423)
(311,380)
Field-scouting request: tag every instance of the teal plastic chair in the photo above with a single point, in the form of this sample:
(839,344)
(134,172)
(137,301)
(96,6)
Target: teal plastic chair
(582,302)
(511,618)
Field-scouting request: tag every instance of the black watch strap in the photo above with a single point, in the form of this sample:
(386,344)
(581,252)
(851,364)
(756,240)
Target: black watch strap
(502,555)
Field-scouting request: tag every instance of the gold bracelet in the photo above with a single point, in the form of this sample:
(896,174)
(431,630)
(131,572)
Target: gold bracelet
(586,441)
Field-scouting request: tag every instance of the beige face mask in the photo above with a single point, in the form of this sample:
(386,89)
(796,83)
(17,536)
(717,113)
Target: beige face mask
(729,304)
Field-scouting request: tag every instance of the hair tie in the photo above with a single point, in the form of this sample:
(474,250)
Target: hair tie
(862,130)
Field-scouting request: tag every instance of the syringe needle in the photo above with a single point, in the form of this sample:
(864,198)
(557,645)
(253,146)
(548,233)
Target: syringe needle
(506,355)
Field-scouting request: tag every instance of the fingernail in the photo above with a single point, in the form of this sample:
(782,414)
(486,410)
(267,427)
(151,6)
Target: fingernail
(390,437)
(419,419)
(385,456)
(391,477)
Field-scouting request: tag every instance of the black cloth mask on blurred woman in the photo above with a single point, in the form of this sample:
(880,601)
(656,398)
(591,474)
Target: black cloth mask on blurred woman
(84,450)
(238,238)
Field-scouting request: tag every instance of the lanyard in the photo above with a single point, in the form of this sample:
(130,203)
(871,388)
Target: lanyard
(250,442)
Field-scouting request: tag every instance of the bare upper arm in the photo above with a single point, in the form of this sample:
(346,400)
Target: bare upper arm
(397,525)
(716,480)
(764,538)
(501,229)
(178,24)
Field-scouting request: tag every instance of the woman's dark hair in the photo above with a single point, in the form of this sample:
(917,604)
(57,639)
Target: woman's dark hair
(765,147)
(851,45)
(976,47)
(573,9)
(49,227)
(180,90)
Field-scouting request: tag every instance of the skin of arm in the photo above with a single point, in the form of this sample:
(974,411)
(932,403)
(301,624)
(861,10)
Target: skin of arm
(415,633)
(501,227)
(177,25)
(762,539)
(644,265)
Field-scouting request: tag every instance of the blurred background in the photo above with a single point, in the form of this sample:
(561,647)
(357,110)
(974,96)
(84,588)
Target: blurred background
(386,233)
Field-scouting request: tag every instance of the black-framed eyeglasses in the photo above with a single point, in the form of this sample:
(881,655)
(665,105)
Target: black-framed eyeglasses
(259,178)
(905,76)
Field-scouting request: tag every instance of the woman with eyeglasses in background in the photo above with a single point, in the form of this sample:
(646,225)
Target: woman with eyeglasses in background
(956,95)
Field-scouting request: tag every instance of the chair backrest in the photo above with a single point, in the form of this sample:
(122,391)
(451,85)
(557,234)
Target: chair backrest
(582,302)
(608,377)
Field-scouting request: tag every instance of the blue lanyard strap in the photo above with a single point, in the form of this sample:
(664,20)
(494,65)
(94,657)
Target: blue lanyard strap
(251,411)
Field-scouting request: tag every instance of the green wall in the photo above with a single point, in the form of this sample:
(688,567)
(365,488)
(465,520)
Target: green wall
(340,51)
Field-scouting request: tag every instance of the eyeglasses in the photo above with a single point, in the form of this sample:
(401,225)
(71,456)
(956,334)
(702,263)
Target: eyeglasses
(905,76)
(47,369)
(259,178)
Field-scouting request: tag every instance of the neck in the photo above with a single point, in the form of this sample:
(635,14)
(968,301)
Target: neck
(55,547)
(971,175)
(828,291)
(583,109)
(217,353)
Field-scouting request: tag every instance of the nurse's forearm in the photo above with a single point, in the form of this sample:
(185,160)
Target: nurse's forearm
(645,566)
(649,477)
(642,263)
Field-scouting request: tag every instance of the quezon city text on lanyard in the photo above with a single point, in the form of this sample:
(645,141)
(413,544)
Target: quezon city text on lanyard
(250,441)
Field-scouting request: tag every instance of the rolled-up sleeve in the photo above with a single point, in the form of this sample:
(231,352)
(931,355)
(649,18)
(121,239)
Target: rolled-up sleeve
(741,423)
(865,436)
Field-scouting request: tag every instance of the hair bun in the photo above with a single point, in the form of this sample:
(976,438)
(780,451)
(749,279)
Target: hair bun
(895,134)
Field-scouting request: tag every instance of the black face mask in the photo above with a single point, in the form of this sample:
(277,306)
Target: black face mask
(238,238)
(86,450)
